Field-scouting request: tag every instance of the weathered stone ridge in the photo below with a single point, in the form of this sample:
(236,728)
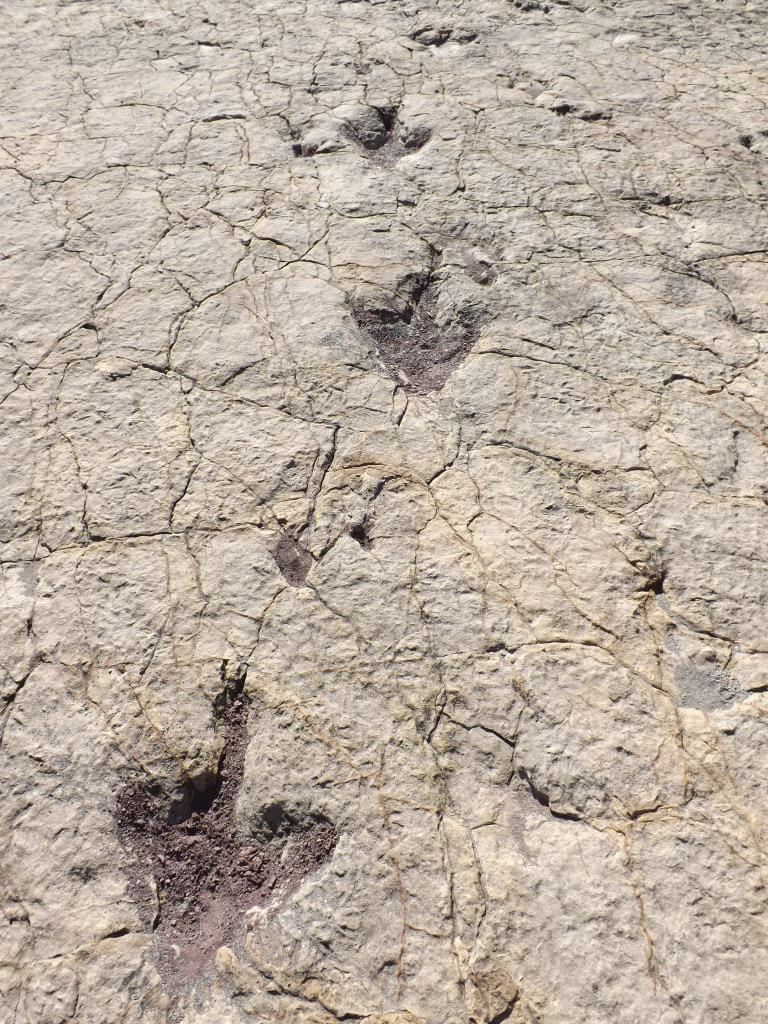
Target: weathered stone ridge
(393,374)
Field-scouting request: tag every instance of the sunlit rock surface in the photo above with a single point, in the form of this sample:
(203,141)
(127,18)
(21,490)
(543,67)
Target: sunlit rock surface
(383,420)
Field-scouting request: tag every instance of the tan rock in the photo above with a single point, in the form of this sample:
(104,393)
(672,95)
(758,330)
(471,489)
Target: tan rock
(383,480)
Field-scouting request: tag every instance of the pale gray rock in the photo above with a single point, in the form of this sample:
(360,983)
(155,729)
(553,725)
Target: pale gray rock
(403,367)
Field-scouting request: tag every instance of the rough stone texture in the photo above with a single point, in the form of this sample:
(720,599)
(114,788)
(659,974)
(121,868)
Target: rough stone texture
(407,364)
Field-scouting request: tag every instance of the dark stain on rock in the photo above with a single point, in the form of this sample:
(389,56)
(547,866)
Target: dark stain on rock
(192,871)
(757,141)
(293,561)
(359,533)
(584,112)
(479,270)
(531,5)
(438,35)
(656,582)
(431,35)
(414,137)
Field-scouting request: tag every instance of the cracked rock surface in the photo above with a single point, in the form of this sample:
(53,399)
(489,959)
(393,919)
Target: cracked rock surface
(383,512)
